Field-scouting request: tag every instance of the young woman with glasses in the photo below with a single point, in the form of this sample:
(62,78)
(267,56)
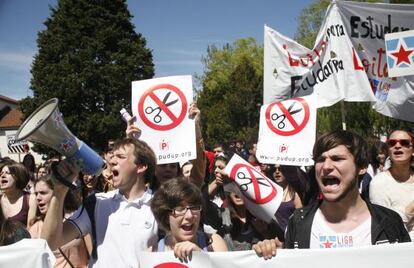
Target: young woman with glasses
(394,188)
(177,208)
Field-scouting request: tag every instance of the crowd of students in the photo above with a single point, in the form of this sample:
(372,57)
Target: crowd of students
(137,205)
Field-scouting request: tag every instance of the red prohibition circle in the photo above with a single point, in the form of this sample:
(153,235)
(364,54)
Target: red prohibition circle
(296,127)
(170,265)
(251,170)
(175,120)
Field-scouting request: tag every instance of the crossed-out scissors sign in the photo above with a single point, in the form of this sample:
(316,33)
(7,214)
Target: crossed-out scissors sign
(287,122)
(253,185)
(261,196)
(162,114)
(161,106)
(287,131)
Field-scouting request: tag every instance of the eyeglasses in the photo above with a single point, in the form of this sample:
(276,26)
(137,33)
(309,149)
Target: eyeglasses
(402,142)
(180,211)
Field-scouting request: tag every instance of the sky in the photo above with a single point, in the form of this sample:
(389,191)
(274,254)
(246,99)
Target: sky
(177,31)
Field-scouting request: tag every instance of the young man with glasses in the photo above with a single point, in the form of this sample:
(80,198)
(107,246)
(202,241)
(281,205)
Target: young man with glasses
(341,218)
(394,188)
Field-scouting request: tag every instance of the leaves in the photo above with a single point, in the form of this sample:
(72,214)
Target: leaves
(88,55)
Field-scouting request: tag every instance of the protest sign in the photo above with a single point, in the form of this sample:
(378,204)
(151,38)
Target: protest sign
(161,107)
(400,53)
(287,132)
(261,196)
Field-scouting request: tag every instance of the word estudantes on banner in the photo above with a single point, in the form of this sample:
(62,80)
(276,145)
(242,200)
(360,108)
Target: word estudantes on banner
(161,107)
(348,60)
(262,197)
(287,132)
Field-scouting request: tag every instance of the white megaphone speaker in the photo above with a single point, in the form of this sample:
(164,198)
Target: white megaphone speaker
(46,126)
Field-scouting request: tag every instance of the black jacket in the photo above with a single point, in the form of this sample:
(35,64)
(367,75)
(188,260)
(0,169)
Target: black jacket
(386,226)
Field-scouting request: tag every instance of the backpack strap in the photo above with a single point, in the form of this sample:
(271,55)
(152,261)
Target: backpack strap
(90,203)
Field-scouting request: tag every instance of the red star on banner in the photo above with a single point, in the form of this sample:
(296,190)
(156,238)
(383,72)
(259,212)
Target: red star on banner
(65,146)
(327,244)
(402,55)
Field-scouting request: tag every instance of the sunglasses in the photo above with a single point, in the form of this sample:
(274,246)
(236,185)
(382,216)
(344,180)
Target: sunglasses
(402,142)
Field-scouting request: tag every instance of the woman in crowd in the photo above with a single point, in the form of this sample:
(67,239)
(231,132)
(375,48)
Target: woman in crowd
(288,177)
(72,254)
(378,156)
(42,170)
(14,201)
(177,208)
(394,188)
(377,163)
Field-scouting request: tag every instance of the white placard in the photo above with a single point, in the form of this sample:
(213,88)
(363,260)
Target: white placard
(400,53)
(287,132)
(161,107)
(261,196)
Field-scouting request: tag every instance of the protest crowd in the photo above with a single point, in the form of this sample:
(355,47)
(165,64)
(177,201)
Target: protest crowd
(351,192)
(138,205)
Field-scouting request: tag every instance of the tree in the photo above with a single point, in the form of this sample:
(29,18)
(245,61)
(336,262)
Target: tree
(232,91)
(88,55)
(360,117)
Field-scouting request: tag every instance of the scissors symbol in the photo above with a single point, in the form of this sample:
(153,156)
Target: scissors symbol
(244,187)
(157,117)
(281,124)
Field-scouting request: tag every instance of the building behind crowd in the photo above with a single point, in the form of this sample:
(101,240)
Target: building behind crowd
(10,121)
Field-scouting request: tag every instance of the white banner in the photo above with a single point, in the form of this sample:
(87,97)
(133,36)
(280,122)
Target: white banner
(380,256)
(348,60)
(167,260)
(161,107)
(287,132)
(327,70)
(30,253)
(261,196)
(366,24)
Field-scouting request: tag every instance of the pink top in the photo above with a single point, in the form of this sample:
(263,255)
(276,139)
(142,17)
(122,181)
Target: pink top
(75,250)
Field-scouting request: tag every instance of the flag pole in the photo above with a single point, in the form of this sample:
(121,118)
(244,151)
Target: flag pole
(343,115)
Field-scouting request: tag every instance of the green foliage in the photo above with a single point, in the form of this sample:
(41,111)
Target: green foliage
(360,117)
(232,91)
(310,21)
(88,55)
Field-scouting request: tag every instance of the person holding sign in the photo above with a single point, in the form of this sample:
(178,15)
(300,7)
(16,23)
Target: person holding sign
(165,172)
(341,218)
(177,208)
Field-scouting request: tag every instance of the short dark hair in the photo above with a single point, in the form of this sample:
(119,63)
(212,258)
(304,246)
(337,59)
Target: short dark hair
(143,153)
(356,145)
(12,232)
(170,195)
(19,173)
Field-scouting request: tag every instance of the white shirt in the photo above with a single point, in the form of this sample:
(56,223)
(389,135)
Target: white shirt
(322,236)
(386,191)
(123,228)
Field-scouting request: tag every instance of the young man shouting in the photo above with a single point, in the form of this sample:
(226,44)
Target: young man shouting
(341,218)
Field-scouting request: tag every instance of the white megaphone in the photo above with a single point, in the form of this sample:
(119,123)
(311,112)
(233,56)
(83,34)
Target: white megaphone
(46,126)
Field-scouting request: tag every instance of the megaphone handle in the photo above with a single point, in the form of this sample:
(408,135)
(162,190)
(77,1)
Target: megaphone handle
(59,177)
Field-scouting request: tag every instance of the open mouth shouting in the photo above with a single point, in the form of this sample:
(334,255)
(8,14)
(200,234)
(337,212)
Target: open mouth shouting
(330,184)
